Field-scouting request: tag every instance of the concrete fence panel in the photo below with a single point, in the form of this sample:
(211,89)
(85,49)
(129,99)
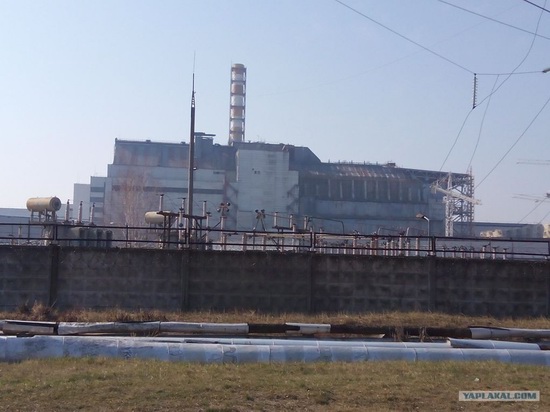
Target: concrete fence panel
(173,280)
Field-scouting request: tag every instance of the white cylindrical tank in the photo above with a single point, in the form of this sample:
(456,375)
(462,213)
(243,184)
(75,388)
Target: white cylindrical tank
(154,218)
(40,204)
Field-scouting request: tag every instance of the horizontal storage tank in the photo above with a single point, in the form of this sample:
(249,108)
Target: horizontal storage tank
(154,218)
(41,204)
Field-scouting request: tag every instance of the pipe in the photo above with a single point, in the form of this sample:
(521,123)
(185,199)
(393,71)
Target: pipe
(68,328)
(491,344)
(304,342)
(161,202)
(67,210)
(310,328)
(489,333)
(79,220)
(92,213)
(73,328)
(15,349)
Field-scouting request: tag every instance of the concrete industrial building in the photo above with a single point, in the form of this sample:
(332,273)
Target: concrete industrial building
(263,186)
(278,178)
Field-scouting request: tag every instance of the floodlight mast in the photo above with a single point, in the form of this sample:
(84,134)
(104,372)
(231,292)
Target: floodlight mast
(426,218)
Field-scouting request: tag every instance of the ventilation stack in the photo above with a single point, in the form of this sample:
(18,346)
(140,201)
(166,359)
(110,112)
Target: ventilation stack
(237,103)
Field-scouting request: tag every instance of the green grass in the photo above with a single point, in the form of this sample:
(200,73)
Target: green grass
(133,385)
(101,384)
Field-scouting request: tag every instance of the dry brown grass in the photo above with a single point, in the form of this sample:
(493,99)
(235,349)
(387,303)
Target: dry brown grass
(428,319)
(142,385)
(130,385)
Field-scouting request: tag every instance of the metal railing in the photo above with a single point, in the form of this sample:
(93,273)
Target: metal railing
(289,241)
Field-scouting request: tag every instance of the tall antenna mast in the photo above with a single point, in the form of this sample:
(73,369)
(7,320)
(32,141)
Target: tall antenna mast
(191,161)
(474,99)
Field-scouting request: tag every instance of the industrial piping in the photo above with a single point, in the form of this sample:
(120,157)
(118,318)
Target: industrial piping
(14,327)
(14,349)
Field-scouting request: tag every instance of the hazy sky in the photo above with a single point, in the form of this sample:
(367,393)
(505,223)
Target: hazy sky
(391,80)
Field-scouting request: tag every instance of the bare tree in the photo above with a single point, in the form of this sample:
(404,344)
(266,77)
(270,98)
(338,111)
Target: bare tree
(131,196)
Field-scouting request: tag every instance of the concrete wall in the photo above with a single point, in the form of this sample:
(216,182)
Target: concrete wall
(25,275)
(264,181)
(70,277)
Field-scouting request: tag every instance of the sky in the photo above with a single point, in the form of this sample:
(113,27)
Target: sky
(354,80)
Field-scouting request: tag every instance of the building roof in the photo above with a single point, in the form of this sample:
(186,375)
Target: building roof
(367,170)
(221,157)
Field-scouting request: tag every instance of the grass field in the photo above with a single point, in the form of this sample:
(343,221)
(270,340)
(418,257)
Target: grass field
(101,384)
(107,384)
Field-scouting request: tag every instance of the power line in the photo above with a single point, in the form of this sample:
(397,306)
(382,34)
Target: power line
(331,82)
(481,126)
(531,211)
(469,71)
(456,139)
(515,143)
(404,37)
(493,20)
(536,5)
(520,63)
(544,217)
(440,55)
(490,95)
(510,73)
